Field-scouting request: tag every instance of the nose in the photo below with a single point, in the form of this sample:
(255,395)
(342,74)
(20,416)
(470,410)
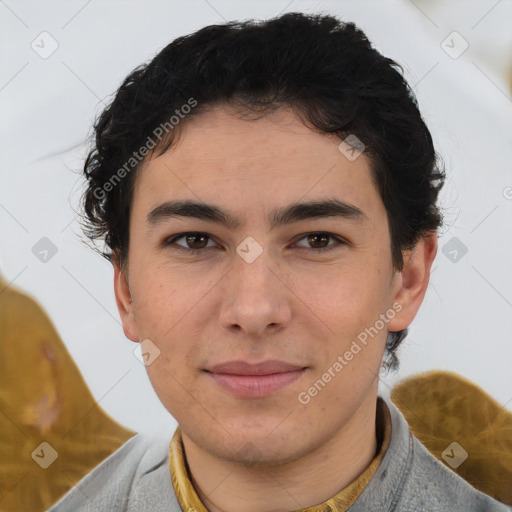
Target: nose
(257,300)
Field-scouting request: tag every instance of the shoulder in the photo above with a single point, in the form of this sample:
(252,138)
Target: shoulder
(134,477)
(431,483)
(410,478)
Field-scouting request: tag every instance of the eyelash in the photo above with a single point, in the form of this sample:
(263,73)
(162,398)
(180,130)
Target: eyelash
(181,249)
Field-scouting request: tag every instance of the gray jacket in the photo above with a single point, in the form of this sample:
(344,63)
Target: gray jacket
(409,479)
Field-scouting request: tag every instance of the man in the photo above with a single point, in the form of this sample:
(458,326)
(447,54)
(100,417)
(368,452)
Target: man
(267,193)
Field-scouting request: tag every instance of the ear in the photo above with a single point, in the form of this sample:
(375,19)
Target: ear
(124,301)
(412,281)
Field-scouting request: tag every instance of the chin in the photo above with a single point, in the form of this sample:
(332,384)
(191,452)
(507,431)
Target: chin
(250,447)
(252,456)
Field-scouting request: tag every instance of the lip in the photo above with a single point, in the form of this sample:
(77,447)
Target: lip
(254,380)
(264,368)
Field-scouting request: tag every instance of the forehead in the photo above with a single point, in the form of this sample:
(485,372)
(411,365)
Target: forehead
(268,162)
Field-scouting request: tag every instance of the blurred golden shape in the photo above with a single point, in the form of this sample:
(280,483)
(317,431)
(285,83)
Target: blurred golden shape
(443,407)
(44,399)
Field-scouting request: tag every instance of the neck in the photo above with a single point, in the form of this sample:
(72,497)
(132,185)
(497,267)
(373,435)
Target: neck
(225,486)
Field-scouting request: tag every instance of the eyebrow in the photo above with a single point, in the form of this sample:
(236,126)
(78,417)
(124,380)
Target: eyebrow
(279,217)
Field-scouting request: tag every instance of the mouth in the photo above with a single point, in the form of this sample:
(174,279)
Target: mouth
(247,380)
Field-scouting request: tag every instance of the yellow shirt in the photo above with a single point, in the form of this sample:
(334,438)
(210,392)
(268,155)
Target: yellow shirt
(189,500)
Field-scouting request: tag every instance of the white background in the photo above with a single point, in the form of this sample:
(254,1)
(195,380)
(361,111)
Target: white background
(48,106)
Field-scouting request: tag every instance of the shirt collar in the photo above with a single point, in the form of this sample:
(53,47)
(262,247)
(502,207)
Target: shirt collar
(189,500)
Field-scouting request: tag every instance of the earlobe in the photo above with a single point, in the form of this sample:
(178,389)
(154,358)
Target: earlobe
(413,280)
(124,301)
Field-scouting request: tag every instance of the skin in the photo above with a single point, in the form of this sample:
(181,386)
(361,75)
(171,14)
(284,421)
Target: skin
(293,303)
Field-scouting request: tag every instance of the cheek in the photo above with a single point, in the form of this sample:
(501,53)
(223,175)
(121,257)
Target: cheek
(171,385)
(174,373)
(352,296)
(351,307)
(164,296)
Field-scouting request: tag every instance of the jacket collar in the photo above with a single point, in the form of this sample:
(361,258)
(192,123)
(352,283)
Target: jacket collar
(153,479)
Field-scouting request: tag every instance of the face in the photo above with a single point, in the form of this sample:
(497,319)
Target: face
(296,293)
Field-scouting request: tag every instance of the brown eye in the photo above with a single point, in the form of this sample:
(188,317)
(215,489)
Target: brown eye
(323,240)
(194,241)
(318,242)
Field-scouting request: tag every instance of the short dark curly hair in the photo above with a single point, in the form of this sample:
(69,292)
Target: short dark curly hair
(324,69)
